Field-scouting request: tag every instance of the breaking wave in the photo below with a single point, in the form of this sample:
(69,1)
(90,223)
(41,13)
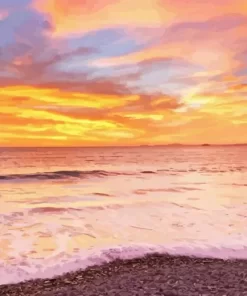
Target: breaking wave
(21,270)
(58,175)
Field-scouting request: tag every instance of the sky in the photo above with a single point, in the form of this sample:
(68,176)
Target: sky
(122,72)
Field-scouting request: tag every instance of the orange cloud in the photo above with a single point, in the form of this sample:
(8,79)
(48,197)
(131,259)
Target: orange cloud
(200,10)
(42,114)
(108,13)
(100,14)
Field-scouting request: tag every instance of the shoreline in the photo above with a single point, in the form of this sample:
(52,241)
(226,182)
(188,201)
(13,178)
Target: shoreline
(153,274)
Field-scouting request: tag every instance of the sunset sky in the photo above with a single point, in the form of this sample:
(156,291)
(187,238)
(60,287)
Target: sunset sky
(122,72)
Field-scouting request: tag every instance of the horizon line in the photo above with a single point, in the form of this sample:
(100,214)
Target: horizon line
(131,146)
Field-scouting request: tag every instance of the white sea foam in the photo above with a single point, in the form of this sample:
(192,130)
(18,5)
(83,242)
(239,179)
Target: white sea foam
(22,270)
(165,227)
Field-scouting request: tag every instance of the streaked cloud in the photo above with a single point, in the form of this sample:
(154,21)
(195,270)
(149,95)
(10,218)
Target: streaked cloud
(116,72)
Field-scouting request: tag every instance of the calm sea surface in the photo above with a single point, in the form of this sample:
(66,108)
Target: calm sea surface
(62,209)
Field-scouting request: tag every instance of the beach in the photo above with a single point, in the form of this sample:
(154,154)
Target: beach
(153,274)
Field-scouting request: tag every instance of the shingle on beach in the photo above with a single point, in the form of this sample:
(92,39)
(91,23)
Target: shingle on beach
(153,274)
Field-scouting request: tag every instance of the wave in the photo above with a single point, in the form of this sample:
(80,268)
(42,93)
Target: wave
(27,269)
(81,174)
(175,189)
(9,217)
(51,210)
(58,175)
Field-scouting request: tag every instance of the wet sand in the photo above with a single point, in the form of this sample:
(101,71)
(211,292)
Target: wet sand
(151,275)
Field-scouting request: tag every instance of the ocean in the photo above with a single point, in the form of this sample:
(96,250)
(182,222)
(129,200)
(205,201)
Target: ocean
(62,209)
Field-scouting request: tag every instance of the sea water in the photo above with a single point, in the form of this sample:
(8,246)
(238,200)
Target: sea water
(62,209)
